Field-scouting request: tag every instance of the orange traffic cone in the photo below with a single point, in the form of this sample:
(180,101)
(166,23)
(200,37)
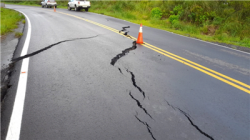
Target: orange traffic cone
(54,9)
(140,38)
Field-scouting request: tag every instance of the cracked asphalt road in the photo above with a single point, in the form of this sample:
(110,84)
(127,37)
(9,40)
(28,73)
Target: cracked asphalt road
(87,82)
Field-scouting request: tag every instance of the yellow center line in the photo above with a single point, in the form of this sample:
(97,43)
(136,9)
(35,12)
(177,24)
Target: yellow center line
(215,76)
(222,75)
(187,62)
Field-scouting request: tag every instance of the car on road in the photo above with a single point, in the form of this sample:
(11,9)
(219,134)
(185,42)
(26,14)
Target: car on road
(48,3)
(77,5)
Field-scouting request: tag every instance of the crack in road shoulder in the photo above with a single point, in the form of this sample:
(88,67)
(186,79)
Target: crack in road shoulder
(50,46)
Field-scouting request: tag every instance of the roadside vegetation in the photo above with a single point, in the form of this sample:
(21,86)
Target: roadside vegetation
(9,20)
(18,34)
(216,21)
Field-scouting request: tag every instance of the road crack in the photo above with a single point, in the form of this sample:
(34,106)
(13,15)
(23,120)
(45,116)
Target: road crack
(113,61)
(124,30)
(146,124)
(124,52)
(170,105)
(139,105)
(120,70)
(135,85)
(50,46)
(190,120)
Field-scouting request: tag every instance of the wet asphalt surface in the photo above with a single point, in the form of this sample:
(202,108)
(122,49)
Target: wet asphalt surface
(74,91)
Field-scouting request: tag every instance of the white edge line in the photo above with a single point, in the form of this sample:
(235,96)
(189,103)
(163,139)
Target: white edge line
(17,112)
(178,34)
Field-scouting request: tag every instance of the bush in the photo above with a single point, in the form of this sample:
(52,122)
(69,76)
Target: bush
(178,10)
(173,18)
(217,20)
(156,13)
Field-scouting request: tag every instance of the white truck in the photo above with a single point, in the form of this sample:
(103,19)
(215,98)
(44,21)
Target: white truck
(78,5)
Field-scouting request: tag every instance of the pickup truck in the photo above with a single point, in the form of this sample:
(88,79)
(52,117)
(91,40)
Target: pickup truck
(78,5)
(48,3)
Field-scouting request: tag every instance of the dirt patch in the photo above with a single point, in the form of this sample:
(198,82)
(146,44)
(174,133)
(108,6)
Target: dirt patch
(211,30)
(3,37)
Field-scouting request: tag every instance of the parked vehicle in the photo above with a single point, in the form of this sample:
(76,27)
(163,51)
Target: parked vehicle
(48,3)
(77,5)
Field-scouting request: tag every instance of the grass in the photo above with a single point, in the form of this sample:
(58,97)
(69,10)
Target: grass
(9,20)
(183,28)
(18,34)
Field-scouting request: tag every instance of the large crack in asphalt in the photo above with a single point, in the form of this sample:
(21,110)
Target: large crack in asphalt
(146,124)
(139,105)
(124,52)
(113,61)
(50,46)
(135,85)
(190,120)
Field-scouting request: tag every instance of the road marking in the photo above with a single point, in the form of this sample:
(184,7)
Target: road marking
(208,71)
(17,112)
(197,68)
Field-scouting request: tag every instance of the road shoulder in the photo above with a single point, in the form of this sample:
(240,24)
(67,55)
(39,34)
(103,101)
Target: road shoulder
(9,44)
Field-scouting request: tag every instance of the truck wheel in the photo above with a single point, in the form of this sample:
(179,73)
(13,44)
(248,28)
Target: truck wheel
(87,9)
(76,9)
(69,8)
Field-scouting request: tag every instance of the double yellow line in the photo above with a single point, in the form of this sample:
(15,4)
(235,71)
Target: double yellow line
(233,82)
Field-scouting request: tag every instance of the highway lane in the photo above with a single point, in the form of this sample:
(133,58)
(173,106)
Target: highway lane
(74,93)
